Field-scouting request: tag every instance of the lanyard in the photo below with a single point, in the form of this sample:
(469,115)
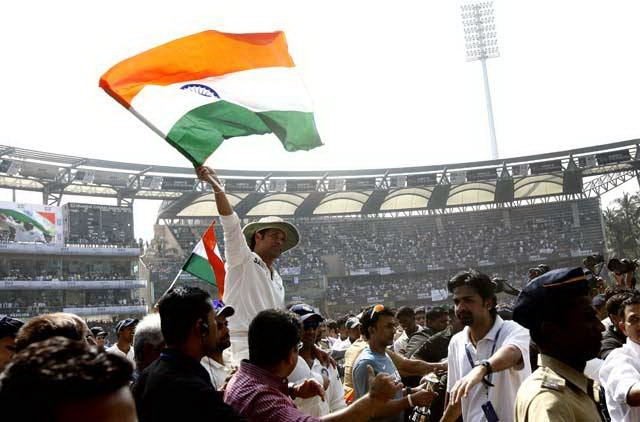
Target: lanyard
(493,350)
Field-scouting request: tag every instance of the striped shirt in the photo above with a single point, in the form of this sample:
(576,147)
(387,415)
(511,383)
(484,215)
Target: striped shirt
(259,396)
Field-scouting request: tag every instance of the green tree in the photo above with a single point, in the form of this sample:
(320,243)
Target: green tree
(622,227)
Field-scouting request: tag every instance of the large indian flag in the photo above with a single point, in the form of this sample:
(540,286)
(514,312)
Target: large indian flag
(206,262)
(199,90)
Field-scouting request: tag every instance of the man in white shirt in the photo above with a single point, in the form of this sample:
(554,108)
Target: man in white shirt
(124,345)
(488,359)
(407,319)
(340,347)
(252,283)
(308,367)
(215,362)
(620,374)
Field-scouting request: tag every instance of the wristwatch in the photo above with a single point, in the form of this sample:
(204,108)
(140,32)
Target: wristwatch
(487,365)
(291,390)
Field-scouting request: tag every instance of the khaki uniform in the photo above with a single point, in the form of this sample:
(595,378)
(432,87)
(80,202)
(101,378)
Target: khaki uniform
(350,357)
(556,392)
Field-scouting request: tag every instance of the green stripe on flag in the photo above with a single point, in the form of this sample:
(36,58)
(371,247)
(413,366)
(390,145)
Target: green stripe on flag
(202,130)
(200,267)
(296,129)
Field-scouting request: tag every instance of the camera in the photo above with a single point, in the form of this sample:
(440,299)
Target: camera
(594,263)
(622,266)
(538,271)
(503,286)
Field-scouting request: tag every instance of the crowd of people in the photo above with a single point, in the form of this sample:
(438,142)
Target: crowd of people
(54,301)
(18,274)
(546,357)
(454,240)
(518,235)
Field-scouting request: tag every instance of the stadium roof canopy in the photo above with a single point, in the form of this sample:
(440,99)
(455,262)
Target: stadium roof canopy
(577,173)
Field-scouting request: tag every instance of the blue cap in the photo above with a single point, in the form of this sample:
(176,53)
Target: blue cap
(221,309)
(98,331)
(9,326)
(129,322)
(352,322)
(305,312)
(542,291)
(599,300)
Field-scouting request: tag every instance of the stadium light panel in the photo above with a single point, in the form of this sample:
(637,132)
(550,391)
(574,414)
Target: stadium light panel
(480,31)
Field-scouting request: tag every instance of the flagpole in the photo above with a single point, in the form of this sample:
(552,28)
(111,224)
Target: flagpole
(215,183)
(170,287)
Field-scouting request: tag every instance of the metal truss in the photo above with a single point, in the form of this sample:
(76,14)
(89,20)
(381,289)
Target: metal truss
(598,185)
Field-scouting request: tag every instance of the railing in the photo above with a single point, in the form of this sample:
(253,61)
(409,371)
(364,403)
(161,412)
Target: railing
(71,284)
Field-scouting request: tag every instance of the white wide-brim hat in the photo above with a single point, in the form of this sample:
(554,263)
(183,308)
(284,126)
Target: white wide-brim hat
(293,237)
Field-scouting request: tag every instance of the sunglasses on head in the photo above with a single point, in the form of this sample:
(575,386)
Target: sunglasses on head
(377,308)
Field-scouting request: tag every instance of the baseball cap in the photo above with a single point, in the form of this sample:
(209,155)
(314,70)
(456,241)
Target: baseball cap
(9,326)
(221,309)
(98,331)
(129,322)
(305,312)
(352,322)
(598,300)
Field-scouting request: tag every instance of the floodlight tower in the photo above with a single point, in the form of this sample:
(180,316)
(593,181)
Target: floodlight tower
(481,43)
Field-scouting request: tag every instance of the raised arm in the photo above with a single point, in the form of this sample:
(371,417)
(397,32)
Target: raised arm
(236,249)
(208,175)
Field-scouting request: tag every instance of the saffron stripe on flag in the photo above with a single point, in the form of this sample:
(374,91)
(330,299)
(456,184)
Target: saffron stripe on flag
(197,56)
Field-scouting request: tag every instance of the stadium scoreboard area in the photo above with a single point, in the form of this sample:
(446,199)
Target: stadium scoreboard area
(98,224)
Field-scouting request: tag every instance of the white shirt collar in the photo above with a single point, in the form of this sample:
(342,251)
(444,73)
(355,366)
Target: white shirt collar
(491,334)
(633,346)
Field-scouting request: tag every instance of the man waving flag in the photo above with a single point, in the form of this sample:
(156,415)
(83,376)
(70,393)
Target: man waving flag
(199,90)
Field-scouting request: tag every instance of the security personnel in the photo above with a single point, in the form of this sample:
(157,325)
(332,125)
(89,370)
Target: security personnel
(556,308)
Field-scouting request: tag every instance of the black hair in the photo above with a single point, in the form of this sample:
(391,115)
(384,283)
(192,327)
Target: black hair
(614,290)
(331,324)
(614,303)
(57,371)
(45,326)
(342,321)
(273,333)
(252,241)
(436,312)
(367,321)
(478,281)
(633,299)
(180,309)
(405,311)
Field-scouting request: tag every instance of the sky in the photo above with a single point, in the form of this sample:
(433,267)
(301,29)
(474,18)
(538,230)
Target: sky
(388,80)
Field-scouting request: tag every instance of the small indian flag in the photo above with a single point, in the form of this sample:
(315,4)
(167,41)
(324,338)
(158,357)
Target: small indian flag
(206,262)
(199,90)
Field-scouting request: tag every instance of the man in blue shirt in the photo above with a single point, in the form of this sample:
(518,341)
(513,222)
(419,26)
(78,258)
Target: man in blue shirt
(377,325)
